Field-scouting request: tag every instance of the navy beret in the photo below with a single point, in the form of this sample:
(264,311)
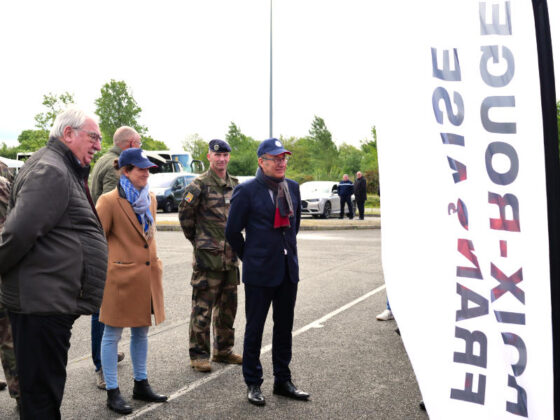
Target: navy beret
(218,146)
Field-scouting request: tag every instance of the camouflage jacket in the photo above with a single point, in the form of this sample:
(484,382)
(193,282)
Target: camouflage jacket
(104,177)
(203,215)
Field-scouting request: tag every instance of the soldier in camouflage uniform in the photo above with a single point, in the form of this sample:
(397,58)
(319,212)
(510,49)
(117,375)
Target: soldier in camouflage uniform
(7,354)
(203,214)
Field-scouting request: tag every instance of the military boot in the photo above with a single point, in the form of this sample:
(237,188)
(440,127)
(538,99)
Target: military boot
(201,365)
(231,358)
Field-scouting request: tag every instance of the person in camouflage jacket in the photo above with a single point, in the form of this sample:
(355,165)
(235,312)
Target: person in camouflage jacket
(7,355)
(203,215)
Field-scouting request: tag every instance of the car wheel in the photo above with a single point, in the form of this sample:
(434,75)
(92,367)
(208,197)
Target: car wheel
(168,206)
(326,210)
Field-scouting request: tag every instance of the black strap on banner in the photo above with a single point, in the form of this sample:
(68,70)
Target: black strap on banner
(552,166)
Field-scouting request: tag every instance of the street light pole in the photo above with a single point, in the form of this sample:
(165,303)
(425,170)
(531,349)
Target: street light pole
(270,93)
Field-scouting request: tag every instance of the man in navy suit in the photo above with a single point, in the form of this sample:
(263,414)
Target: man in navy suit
(269,209)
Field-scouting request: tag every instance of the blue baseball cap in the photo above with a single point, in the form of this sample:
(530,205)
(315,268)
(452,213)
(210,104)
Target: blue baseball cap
(272,147)
(218,146)
(136,157)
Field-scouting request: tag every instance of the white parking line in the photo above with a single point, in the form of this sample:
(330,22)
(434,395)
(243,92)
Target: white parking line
(315,324)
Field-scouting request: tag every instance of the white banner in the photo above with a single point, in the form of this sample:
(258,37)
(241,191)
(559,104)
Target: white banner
(464,214)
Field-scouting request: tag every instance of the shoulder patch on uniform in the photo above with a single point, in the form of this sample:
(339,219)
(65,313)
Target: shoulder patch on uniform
(189,197)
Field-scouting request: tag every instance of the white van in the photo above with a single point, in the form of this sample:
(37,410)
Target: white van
(184,158)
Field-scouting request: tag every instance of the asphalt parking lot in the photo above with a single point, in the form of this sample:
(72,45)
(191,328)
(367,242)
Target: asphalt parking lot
(354,366)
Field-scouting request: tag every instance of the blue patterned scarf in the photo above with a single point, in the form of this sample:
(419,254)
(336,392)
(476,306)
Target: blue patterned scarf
(140,202)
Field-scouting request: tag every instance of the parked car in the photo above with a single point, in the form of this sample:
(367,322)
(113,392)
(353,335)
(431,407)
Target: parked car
(169,188)
(320,199)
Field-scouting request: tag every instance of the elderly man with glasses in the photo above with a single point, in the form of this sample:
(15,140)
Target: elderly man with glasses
(268,208)
(104,179)
(53,259)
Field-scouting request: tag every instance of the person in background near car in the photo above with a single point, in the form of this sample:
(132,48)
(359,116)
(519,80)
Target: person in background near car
(268,209)
(345,191)
(203,213)
(360,193)
(104,179)
(7,354)
(53,259)
(134,288)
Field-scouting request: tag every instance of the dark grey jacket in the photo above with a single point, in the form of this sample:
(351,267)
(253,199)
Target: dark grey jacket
(360,190)
(53,252)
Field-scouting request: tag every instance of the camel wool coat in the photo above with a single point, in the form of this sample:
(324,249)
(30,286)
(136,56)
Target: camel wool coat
(134,272)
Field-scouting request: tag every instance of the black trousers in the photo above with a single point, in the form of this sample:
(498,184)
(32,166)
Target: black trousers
(360,205)
(348,201)
(257,303)
(41,345)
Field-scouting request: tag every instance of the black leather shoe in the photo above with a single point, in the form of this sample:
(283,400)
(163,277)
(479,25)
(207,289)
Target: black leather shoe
(254,395)
(143,391)
(288,389)
(116,402)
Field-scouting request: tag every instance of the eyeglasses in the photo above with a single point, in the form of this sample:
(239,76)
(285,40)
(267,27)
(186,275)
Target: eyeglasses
(136,143)
(94,137)
(277,160)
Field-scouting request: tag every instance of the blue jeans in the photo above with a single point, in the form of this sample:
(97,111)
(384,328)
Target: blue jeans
(96,337)
(138,353)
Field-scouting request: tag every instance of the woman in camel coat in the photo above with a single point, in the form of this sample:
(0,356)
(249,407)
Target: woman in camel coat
(133,289)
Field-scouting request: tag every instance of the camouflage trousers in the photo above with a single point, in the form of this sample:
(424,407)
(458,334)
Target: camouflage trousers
(7,353)
(214,301)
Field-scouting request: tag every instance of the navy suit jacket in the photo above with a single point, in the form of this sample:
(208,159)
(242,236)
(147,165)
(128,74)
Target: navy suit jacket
(266,252)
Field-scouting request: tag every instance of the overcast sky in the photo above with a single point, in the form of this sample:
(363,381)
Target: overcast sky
(195,66)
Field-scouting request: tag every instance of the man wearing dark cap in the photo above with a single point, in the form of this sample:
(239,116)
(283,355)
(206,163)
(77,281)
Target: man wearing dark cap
(203,213)
(268,208)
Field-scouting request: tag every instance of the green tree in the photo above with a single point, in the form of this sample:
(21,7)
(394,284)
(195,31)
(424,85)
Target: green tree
(197,147)
(8,152)
(148,143)
(243,159)
(32,140)
(350,159)
(300,165)
(324,152)
(55,105)
(116,107)
(369,165)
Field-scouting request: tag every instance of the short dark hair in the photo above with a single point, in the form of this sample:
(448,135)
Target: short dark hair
(127,168)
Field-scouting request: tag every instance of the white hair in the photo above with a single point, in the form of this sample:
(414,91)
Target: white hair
(71,117)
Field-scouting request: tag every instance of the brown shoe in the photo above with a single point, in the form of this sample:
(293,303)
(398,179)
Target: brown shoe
(231,358)
(201,365)
(100,379)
